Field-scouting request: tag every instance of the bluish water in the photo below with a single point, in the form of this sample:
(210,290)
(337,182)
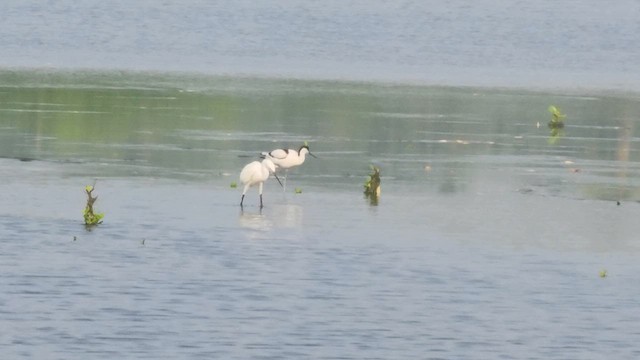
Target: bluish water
(487,242)
(177,271)
(489,237)
(544,44)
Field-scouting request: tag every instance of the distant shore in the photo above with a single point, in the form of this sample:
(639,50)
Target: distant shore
(67,76)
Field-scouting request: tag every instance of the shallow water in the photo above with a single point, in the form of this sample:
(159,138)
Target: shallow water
(487,241)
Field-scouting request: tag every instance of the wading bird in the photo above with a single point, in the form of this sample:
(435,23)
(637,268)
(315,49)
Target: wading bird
(288,158)
(256,173)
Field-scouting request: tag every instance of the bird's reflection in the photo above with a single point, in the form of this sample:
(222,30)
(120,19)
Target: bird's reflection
(255,220)
(273,216)
(288,215)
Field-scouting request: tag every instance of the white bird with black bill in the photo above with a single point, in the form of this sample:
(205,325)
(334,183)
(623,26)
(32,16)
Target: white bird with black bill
(288,158)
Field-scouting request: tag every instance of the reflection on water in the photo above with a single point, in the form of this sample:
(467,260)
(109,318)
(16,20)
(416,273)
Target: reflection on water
(274,217)
(487,240)
(165,130)
(623,171)
(555,133)
(288,215)
(255,221)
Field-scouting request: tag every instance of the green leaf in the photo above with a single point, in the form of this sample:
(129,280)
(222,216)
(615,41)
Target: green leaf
(556,113)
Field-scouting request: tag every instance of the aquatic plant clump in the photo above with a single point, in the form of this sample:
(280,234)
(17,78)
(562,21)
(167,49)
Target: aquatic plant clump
(90,217)
(557,117)
(372,184)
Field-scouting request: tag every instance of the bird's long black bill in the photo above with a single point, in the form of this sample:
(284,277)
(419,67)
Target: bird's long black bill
(313,155)
(274,174)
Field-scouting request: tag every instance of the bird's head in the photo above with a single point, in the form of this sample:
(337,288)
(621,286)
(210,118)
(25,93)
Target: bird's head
(304,149)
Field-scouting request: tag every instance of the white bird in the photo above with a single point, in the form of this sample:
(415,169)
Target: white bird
(288,158)
(256,173)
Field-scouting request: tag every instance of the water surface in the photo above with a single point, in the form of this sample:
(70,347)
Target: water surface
(543,44)
(487,241)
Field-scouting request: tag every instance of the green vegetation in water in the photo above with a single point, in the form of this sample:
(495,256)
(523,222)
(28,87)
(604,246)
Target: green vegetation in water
(557,117)
(603,273)
(234,185)
(372,185)
(556,125)
(298,191)
(555,133)
(90,217)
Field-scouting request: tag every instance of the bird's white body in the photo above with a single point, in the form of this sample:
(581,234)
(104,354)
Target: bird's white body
(287,158)
(256,173)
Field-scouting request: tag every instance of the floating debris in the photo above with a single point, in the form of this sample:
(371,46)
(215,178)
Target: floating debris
(298,190)
(90,217)
(234,185)
(603,273)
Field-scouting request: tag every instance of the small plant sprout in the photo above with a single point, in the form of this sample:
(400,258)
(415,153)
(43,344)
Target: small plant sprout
(556,125)
(298,190)
(557,117)
(603,273)
(90,217)
(372,184)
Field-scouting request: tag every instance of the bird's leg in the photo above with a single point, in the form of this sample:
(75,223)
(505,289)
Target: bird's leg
(260,191)
(284,187)
(244,191)
(261,206)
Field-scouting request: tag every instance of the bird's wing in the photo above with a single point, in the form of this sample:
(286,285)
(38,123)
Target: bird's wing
(249,171)
(279,153)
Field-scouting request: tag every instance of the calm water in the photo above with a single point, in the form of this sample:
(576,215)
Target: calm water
(487,241)
(546,44)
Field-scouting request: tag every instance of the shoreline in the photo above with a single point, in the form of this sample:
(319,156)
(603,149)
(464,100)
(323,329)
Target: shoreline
(97,77)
